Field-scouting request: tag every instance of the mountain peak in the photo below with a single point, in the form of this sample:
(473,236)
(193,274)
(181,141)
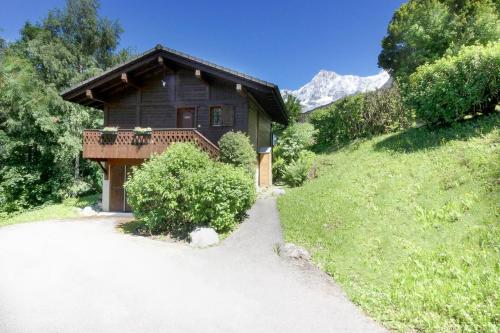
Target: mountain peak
(328,86)
(323,73)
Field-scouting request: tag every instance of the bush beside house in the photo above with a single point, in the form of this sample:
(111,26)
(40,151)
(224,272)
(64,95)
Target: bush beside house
(219,195)
(183,188)
(236,149)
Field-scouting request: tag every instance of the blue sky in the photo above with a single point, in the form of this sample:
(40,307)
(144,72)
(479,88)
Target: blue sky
(285,42)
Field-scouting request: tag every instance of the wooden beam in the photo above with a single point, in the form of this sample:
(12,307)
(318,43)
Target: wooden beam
(197,73)
(220,73)
(163,65)
(111,86)
(117,89)
(107,78)
(103,168)
(147,69)
(91,95)
(240,89)
(87,102)
(199,76)
(129,81)
(81,99)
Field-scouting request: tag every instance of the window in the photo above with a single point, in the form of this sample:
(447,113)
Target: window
(222,115)
(216,116)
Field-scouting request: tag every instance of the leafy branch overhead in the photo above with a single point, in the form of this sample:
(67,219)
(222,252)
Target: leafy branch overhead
(422,31)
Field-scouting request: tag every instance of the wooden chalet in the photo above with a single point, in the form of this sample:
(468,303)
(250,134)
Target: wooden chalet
(182,99)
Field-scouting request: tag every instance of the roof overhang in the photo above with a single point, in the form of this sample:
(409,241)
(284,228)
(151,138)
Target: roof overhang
(160,58)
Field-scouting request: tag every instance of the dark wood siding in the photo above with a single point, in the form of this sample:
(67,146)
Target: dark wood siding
(155,104)
(122,115)
(189,88)
(259,127)
(159,116)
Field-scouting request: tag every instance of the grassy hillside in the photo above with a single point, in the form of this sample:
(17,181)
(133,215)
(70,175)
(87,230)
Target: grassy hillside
(408,224)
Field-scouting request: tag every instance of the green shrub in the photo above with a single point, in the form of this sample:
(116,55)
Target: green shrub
(17,189)
(236,149)
(219,195)
(455,86)
(183,188)
(295,139)
(340,122)
(297,171)
(384,111)
(279,165)
(360,116)
(157,189)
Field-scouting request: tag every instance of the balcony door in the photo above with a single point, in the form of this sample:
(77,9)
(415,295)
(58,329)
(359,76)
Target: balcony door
(185,117)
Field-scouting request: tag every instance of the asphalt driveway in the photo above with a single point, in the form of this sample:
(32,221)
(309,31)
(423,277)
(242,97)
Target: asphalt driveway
(85,276)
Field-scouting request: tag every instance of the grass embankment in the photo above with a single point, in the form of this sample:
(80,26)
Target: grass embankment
(66,209)
(408,224)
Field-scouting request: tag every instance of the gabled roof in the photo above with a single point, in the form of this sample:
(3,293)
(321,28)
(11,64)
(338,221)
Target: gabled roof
(266,93)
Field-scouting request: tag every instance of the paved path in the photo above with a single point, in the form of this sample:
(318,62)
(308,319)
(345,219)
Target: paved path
(84,276)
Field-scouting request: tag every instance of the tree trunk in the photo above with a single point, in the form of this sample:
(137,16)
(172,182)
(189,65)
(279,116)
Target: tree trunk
(77,166)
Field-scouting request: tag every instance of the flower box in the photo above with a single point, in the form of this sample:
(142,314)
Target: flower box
(109,131)
(143,131)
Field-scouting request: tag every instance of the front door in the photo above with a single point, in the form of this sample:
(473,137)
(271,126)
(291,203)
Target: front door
(185,118)
(116,193)
(119,174)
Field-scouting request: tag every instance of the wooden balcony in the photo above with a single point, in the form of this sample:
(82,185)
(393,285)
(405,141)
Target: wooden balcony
(125,144)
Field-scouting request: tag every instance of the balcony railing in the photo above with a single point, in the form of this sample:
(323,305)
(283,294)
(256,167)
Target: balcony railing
(125,144)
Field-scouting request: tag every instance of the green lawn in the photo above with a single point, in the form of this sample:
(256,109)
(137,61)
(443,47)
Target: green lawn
(66,209)
(408,224)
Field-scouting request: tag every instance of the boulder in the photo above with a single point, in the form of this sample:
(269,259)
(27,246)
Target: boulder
(278,191)
(203,237)
(295,252)
(88,211)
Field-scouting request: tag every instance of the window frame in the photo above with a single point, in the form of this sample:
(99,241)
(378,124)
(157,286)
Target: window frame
(221,108)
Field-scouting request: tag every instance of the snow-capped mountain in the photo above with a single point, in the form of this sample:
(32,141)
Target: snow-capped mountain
(327,87)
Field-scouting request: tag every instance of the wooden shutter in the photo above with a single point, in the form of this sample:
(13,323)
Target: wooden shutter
(227,115)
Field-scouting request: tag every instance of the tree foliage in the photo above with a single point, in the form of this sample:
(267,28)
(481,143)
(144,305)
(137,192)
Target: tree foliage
(361,115)
(294,110)
(455,86)
(293,107)
(422,31)
(40,134)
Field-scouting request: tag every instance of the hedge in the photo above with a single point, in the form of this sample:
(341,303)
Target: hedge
(456,86)
(359,116)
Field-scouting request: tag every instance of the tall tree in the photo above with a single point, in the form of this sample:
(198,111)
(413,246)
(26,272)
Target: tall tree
(40,134)
(293,107)
(84,32)
(72,43)
(422,31)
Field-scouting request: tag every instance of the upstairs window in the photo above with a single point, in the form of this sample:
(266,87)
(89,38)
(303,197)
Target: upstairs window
(222,116)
